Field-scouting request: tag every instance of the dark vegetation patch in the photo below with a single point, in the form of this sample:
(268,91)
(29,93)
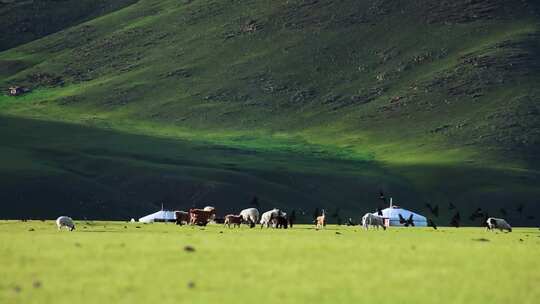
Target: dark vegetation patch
(124,95)
(10,67)
(30,20)
(44,79)
(491,67)
(462,11)
(179,73)
(114,52)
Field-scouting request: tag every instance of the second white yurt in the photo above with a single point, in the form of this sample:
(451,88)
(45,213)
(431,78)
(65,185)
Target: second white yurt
(392,213)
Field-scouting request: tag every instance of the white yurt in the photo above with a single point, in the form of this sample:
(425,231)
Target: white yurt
(392,214)
(160,216)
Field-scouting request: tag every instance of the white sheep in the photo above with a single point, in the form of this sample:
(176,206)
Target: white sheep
(370,219)
(266,218)
(65,221)
(498,223)
(250,215)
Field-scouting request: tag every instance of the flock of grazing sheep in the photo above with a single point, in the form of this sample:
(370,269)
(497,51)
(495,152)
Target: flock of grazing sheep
(274,218)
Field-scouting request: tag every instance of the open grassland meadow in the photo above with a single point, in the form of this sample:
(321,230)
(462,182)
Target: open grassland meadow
(118,262)
(423,112)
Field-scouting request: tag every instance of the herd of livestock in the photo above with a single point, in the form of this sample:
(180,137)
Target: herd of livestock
(275,218)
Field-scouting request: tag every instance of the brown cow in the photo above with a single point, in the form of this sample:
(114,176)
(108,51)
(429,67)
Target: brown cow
(181,217)
(233,219)
(200,217)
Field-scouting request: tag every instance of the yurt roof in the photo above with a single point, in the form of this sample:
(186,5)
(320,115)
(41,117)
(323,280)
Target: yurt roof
(160,215)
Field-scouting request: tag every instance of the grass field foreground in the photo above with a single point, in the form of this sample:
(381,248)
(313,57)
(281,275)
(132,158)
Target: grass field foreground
(117,262)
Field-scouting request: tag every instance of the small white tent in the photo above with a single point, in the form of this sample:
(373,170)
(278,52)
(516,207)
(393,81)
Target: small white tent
(160,216)
(392,213)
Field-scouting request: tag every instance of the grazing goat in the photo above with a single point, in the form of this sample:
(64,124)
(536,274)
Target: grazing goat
(181,217)
(250,216)
(498,223)
(232,219)
(200,217)
(266,218)
(65,221)
(370,219)
(321,220)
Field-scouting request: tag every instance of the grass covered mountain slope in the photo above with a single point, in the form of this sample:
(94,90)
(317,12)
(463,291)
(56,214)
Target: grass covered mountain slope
(55,168)
(433,100)
(27,20)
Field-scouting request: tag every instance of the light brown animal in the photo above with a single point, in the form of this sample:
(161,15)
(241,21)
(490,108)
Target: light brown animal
(321,220)
(200,217)
(232,219)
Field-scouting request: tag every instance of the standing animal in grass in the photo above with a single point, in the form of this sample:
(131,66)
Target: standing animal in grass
(266,218)
(291,218)
(320,221)
(181,217)
(498,223)
(210,208)
(282,222)
(232,219)
(200,217)
(65,221)
(250,216)
(277,220)
(370,219)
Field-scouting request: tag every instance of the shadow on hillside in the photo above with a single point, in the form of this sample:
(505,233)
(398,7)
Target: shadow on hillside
(56,168)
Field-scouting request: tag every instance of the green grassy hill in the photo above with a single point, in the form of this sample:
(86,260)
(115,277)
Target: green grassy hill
(26,20)
(328,101)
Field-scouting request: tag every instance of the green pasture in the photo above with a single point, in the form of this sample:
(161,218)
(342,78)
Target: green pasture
(118,262)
